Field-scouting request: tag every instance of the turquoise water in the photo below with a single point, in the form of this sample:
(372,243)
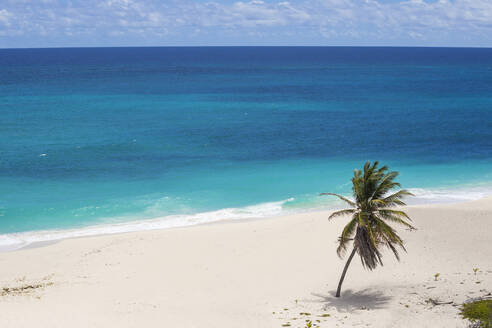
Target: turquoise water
(164,137)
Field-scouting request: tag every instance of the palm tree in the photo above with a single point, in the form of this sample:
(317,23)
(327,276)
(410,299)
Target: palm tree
(371,212)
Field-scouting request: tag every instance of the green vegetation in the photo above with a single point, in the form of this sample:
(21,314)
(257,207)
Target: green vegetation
(371,211)
(436,276)
(479,312)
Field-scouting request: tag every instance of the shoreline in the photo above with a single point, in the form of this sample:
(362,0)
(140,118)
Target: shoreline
(48,237)
(253,273)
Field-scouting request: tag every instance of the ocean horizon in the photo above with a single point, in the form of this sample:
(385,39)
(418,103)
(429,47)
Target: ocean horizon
(104,140)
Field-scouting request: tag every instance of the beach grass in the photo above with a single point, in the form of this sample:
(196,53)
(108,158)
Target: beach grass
(478,312)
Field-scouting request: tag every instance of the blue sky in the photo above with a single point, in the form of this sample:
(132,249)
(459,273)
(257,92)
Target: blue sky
(64,23)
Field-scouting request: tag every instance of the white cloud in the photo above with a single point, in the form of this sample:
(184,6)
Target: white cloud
(5,17)
(330,19)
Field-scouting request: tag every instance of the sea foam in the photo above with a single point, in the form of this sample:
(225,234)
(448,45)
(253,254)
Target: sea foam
(14,241)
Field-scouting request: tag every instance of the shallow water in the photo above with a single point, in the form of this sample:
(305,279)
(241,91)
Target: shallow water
(104,136)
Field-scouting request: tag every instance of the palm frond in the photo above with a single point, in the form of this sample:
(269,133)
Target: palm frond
(366,248)
(395,216)
(396,198)
(386,184)
(357,186)
(348,201)
(386,232)
(392,247)
(377,203)
(394,212)
(341,213)
(361,220)
(344,238)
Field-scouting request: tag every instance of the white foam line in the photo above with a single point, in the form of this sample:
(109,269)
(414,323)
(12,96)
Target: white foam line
(447,195)
(14,241)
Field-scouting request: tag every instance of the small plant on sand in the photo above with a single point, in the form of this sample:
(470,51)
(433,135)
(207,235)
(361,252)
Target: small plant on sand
(309,324)
(372,211)
(479,313)
(436,276)
(475,270)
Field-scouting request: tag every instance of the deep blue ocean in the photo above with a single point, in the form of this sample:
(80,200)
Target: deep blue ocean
(118,139)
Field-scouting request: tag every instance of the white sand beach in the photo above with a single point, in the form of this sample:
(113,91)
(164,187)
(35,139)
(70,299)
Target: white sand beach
(259,273)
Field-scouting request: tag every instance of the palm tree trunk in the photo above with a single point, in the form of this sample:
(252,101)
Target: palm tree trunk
(339,289)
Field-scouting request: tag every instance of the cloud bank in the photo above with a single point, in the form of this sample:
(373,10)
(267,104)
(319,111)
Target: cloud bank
(30,23)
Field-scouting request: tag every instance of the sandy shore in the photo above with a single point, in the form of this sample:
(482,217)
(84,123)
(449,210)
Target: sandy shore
(262,273)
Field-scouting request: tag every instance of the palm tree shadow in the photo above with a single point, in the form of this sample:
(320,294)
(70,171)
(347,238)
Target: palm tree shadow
(350,300)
